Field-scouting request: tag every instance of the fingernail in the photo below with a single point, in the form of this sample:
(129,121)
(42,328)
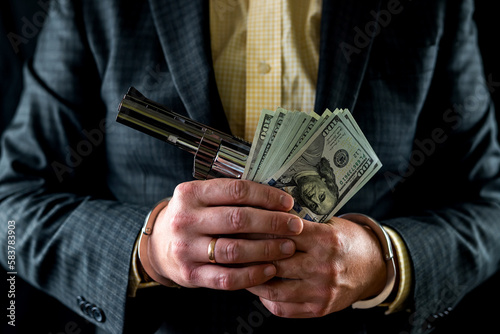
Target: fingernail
(287,248)
(286,201)
(295,225)
(270,271)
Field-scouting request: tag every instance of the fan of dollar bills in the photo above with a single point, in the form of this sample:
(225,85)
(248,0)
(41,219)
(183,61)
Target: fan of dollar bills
(322,161)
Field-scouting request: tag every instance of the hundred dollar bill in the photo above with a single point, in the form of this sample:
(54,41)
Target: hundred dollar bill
(296,141)
(328,170)
(262,154)
(294,123)
(306,134)
(263,127)
(363,140)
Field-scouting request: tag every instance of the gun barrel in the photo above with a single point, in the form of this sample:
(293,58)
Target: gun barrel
(216,154)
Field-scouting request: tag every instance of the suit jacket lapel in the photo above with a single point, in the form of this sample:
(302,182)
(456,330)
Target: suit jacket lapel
(343,54)
(184,31)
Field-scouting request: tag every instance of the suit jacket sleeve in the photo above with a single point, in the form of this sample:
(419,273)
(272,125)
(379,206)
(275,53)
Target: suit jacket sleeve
(72,238)
(448,187)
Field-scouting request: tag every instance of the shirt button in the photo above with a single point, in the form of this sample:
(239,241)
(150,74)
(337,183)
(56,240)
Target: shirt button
(264,68)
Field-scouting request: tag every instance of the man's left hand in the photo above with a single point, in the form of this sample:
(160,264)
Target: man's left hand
(335,265)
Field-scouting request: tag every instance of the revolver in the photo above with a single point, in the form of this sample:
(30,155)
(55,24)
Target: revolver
(216,154)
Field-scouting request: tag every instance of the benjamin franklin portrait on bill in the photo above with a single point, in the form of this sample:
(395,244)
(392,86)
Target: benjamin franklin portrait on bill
(314,180)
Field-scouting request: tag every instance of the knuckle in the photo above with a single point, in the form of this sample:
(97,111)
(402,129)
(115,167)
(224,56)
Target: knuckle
(334,240)
(267,250)
(223,281)
(181,219)
(233,252)
(252,280)
(275,223)
(270,195)
(318,310)
(336,272)
(176,223)
(179,249)
(337,241)
(189,275)
(331,294)
(183,189)
(276,309)
(237,190)
(237,219)
(272,294)
(187,191)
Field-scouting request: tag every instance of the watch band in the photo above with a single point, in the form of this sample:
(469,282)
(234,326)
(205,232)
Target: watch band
(388,253)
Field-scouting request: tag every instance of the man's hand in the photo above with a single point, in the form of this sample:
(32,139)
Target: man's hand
(228,209)
(336,264)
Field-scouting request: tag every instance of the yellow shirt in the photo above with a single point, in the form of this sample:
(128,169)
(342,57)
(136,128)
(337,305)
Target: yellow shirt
(266,55)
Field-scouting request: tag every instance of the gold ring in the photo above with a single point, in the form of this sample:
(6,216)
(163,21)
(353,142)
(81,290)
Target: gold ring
(211,250)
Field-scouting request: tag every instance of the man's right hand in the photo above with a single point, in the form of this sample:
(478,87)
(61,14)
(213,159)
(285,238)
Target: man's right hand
(228,209)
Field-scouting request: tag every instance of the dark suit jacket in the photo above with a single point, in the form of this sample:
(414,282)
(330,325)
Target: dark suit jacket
(79,185)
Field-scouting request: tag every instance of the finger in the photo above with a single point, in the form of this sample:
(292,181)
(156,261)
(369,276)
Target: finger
(228,251)
(320,237)
(224,278)
(283,290)
(311,235)
(292,310)
(238,220)
(303,240)
(300,266)
(221,191)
